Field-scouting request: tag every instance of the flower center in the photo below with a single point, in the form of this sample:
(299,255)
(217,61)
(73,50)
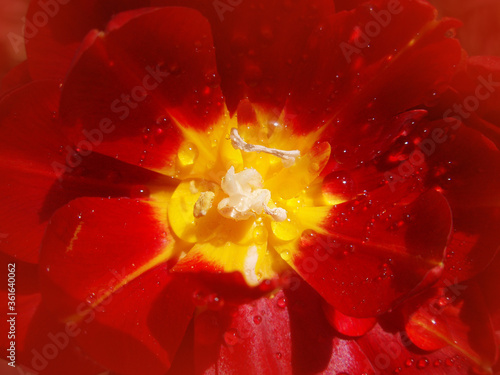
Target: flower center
(246,197)
(247,192)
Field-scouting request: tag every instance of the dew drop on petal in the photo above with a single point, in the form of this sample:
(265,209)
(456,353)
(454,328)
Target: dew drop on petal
(231,337)
(422,363)
(215,302)
(282,302)
(188,153)
(257,319)
(199,298)
(409,362)
(260,235)
(285,256)
(139,191)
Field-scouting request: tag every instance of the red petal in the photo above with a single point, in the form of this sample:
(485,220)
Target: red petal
(347,325)
(11,31)
(456,317)
(374,255)
(286,334)
(393,353)
(356,86)
(139,329)
(347,4)
(16,77)
(479,35)
(479,82)
(42,171)
(259,44)
(44,345)
(94,250)
(87,236)
(55,29)
(29,142)
(150,70)
(467,167)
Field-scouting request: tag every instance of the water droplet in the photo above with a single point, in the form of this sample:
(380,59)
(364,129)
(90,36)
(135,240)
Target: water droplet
(282,302)
(285,256)
(215,302)
(257,319)
(188,153)
(449,362)
(231,337)
(212,79)
(199,298)
(340,183)
(260,235)
(139,191)
(409,362)
(90,299)
(437,363)
(422,363)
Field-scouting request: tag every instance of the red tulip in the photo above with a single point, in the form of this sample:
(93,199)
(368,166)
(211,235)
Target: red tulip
(256,187)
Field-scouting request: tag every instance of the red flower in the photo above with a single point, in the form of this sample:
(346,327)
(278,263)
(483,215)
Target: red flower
(250,188)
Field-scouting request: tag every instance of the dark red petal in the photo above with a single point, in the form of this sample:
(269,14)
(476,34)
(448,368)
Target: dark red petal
(16,77)
(29,143)
(457,317)
(44,345)
(347,325)
(139,328)
(467,168)
(479,81)
(259,44)
(285,334)
(480,32)
(42,171)
(356,86)
(104,267)
(93,241)
(347,4)
(55,29)
(131,85)
(11,30)
(392,352)
(375,254)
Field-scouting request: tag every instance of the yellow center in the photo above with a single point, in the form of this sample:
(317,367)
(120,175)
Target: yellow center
(246,195)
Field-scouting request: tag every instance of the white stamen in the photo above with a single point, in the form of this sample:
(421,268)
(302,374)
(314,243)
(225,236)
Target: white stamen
(287,157)
(246,198)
